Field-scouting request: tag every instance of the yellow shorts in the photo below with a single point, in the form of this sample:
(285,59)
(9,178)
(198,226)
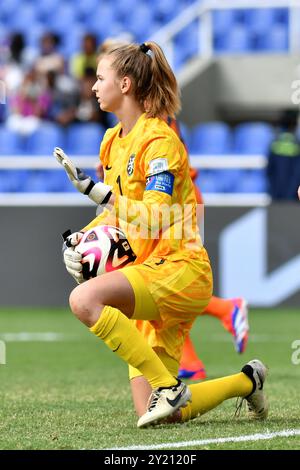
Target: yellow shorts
(169,295)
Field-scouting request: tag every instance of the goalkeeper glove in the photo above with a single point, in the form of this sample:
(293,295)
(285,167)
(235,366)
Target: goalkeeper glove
(100,193)
(72,258)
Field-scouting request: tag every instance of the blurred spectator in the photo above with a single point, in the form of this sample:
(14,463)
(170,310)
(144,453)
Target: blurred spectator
(50,59)
(87,59)
(64,94)
(72,104)
(88,108)
(18,59)
(283,170)
(30,104)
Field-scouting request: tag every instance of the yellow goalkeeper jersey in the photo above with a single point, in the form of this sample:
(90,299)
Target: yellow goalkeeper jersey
(155,202)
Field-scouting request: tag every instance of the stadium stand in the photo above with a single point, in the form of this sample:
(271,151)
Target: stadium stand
(234,31)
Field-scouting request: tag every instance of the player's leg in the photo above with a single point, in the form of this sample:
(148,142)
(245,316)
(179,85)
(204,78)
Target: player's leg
(191,367)
(178,288)
(248,384)
(105,304)
(233,313)
(207,395)
(140,387)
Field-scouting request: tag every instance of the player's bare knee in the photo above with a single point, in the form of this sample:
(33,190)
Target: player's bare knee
(79,304)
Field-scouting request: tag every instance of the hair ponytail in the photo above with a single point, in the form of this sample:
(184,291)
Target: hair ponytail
(154,83)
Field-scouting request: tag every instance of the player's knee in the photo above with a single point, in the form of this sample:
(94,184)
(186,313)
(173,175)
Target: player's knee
(79,304)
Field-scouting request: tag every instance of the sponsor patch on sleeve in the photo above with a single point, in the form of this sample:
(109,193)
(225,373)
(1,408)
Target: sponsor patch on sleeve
(162,182)
(158,165)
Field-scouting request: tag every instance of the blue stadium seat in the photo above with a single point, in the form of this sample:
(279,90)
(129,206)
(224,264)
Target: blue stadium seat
(252,181)
(12,180)
(253,138)
(141,22)
(211,138)
(236,40)
(228,179)
(46,8)
(207,182)
(62,18)
(281,16)
(10,143)
(166,10)
(86,8)
(187,42)
(223,21)
(185,134)
(274,40)
(47,181)
(8,9)
(100,20)
(43,141)
(84,139)
(34,34)
(36,182)
(71,43)
(25,18)
(260,20)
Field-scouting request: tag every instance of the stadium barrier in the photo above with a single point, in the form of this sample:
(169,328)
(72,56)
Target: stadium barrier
(251,162)
(254,252)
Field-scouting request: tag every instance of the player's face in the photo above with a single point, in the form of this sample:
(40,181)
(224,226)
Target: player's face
(107,87)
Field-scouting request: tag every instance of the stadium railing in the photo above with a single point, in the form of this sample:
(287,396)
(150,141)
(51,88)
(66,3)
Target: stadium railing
(202,11)
(251,162)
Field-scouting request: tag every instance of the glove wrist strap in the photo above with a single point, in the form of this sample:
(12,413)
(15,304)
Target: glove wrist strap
(89,188)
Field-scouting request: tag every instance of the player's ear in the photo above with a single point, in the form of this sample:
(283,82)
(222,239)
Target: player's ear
(125,84)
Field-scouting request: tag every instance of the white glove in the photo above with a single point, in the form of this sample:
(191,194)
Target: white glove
(72,258)
(100,193)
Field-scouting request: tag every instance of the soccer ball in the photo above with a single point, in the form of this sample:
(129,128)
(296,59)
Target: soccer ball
(104,249)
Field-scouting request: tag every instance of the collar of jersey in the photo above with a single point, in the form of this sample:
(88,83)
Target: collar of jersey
(133,131)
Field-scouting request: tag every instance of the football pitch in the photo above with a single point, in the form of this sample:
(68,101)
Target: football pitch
(61,388)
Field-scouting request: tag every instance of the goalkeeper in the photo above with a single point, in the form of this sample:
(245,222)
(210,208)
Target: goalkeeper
(147,168)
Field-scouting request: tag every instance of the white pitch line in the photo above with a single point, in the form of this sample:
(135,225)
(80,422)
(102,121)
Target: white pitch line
(220,440)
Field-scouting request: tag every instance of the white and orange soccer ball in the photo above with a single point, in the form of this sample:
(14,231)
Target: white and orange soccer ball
(104,249)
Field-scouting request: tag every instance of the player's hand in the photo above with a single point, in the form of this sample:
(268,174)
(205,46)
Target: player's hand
(99,193)
(299,192)
(72,258)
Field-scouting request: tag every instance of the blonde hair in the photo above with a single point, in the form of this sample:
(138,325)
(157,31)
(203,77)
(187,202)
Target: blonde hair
(154,84)
(108,45)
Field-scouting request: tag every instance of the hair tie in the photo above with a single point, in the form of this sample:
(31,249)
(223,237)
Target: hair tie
(144,48)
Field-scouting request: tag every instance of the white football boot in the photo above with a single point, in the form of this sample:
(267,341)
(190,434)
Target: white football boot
(257,403)
(163,402)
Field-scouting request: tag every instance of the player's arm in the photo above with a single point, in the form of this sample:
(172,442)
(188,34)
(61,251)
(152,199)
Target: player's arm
(99,192)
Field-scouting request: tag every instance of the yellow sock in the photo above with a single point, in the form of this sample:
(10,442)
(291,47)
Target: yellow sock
(209,394)
(123,338)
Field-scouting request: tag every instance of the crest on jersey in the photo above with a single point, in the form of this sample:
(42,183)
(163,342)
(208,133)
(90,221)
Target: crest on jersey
(130,165)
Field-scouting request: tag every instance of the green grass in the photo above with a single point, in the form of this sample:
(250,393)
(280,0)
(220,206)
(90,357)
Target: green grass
(74,393)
